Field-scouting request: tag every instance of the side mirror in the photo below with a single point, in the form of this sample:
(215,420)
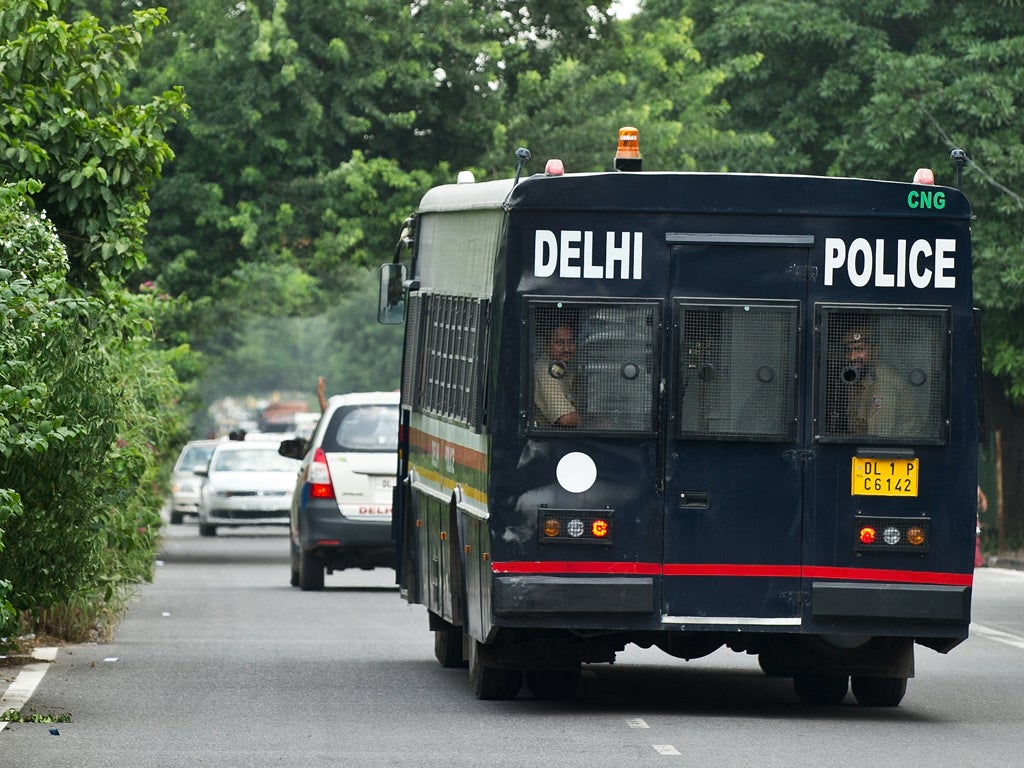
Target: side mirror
(292,449)
(391,303)
(202,471)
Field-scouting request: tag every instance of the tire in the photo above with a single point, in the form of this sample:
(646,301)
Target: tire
(448,648)
(553,684)
(879,691)
(177,518)
(294,570)
(311,572)
(205,529)
(492,683)
(820,690)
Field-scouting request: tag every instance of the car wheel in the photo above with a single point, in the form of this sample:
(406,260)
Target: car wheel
(177,518)
(311,572)
(206,529)
(294,568)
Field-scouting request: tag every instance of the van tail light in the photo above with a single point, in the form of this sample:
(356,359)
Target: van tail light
(319,477)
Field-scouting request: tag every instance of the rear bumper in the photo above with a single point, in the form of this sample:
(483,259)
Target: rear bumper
(520,595)
(187,506)
(910,602)
(244,517)
(344,541)
(834,606)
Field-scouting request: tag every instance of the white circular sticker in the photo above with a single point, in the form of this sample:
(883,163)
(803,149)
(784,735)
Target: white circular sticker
(576,472)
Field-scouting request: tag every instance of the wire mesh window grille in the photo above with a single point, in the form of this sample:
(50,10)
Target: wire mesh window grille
(737,370)
(884,374)
(449,373)
(593,366)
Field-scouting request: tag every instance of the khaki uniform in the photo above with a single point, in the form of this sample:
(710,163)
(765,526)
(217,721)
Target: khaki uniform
(553,391)
(880,404)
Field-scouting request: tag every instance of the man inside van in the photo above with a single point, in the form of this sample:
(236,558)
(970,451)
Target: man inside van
(554,380)
(878,402)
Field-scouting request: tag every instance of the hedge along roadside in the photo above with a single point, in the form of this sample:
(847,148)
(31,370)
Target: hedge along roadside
(87,419)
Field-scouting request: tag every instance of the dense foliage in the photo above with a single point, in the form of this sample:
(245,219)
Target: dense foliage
(64,125)
(84,419)
(87,392)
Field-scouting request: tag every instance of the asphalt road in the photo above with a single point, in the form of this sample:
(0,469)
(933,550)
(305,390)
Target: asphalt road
(220,663)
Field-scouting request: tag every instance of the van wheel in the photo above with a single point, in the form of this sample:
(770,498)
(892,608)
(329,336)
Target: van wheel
(879,691)
(491,683)
(820,690)
(311,572)
(177,518)
(448,647)
(205,529)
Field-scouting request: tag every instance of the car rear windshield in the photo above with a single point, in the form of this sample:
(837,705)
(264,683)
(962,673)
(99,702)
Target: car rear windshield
(363,428)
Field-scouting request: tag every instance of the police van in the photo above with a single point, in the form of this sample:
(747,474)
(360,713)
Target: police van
(687,410)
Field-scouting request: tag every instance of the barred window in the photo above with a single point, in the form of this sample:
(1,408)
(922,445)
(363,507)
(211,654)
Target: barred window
(411,354)
(449,375)
(883,374)
(592,366)
(736,370)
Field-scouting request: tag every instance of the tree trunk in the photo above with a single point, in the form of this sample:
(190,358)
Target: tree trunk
(1008,418)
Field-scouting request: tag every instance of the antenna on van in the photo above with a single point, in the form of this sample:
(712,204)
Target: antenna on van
(959,158)
(522,155)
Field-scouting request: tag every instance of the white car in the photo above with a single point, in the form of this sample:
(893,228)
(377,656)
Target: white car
(246,483)
(341,509)
(185,485)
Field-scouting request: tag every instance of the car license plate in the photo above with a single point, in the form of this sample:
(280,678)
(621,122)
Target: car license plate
(385,481)
(873,476)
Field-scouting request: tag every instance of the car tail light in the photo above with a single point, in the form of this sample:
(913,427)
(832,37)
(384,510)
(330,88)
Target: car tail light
(319,477)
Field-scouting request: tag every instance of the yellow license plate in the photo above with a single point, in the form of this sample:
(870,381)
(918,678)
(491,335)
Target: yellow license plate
(884,477)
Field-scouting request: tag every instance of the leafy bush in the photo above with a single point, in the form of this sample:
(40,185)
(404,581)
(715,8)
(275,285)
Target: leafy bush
(87,417)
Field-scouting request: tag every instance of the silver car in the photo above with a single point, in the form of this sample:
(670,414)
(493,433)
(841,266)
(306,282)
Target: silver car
(185,485)
(246,483)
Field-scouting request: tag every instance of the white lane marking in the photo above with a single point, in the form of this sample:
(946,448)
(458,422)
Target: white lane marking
(998,635)
(637,722)
(20,691)
(666,749)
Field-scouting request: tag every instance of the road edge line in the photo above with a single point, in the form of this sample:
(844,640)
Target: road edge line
(24,685)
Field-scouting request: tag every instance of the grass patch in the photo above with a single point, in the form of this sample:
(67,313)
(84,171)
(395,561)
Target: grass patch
(34,716)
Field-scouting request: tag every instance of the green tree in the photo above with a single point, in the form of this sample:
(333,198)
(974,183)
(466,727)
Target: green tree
(287,354)
(317,126)
(652,78)
(63,124)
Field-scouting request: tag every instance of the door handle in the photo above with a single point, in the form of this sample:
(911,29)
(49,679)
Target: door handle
(694,500)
